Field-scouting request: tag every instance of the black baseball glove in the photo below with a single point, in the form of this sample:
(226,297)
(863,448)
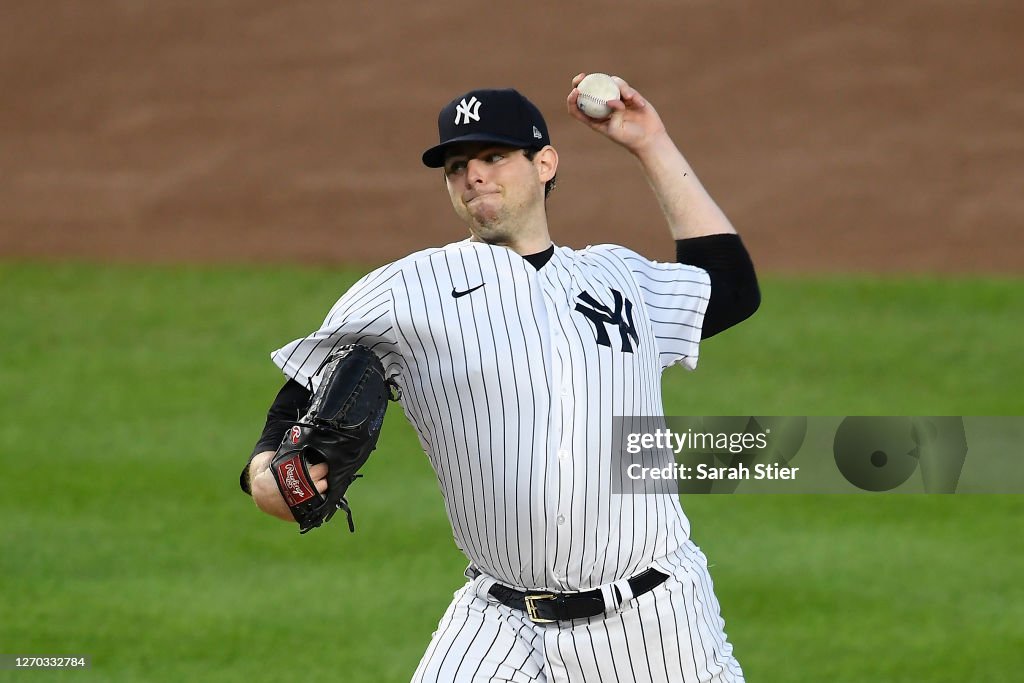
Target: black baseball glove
(340,429)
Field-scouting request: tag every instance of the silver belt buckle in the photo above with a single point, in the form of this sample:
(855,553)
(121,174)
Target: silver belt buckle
(531,608)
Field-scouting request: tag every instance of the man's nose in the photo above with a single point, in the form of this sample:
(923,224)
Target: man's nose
(476,171)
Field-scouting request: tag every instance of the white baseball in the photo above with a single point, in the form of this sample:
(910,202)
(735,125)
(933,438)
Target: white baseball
(595,92)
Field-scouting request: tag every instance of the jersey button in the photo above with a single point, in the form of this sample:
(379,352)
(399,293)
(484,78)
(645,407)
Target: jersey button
(563,454)
(561,520)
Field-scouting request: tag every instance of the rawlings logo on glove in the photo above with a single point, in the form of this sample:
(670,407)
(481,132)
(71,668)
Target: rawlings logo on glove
(295,485)
(341,429)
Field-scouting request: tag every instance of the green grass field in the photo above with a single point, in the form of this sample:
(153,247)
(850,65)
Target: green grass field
(131,397)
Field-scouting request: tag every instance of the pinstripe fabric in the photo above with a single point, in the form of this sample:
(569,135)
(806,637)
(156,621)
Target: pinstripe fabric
(672,634)
(512,396)
(512,389)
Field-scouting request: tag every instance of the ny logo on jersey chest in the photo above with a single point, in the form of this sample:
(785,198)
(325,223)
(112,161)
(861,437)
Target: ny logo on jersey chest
(620,315)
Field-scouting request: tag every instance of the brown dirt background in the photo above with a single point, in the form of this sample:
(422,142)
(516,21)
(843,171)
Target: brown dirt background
(853,135)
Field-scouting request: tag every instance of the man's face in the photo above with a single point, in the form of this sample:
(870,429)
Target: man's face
(492,188)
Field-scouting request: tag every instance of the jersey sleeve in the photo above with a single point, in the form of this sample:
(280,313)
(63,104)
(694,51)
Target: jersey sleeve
(676,297)
(363,315)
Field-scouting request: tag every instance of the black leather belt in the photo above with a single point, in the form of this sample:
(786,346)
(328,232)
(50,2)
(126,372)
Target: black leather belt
(545,608)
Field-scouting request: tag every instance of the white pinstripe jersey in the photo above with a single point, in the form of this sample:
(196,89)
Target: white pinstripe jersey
(512,388)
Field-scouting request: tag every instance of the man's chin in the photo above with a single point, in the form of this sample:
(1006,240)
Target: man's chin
(490,232)
(484,211)
(489,236)
(487,219)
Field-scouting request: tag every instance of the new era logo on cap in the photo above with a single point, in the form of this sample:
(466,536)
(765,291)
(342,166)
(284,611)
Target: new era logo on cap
(501,117)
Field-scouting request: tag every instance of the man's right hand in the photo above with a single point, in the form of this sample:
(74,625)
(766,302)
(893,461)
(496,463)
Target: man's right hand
(265,492)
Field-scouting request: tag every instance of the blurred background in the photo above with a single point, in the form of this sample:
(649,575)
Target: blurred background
(186,186)
(842,134)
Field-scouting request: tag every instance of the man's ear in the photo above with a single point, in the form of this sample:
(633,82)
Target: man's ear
(546,161)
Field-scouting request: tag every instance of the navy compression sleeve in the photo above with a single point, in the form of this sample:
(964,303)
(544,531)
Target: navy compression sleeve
(734,291)
(291,403)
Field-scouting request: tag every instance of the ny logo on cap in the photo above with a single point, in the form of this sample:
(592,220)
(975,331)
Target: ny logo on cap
(467,111)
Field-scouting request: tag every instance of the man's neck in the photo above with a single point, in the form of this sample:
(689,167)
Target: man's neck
(524,245)
(528,247)
(540,259)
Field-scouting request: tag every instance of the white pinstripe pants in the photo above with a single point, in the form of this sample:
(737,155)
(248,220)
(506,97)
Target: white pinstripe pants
(673,633)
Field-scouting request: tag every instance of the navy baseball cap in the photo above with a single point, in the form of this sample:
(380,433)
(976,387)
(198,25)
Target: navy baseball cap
(502,117)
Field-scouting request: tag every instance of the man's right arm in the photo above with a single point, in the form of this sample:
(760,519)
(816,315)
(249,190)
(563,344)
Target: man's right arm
(634,124)
(735,295)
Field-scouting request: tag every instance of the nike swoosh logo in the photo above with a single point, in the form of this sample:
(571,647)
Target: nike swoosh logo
(472,289)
